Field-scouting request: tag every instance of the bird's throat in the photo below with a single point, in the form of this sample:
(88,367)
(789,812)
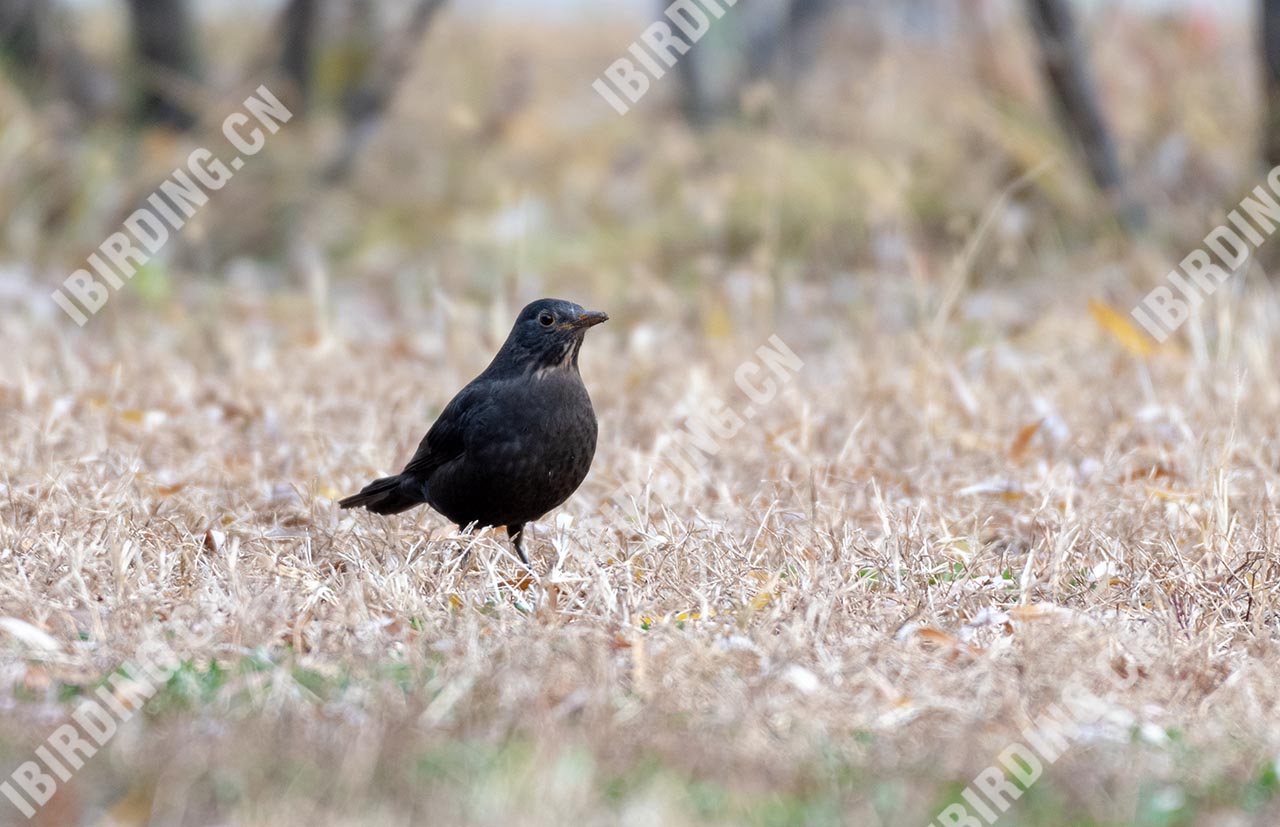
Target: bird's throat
(565,359)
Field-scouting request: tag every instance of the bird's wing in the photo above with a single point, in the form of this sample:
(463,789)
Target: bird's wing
(446,440)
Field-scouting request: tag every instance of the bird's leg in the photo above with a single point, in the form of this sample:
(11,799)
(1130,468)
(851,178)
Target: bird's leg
(516,533)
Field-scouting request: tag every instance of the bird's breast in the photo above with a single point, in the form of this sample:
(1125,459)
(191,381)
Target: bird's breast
(531,454)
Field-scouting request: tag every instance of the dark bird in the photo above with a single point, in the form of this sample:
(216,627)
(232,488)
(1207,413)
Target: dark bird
(513,444)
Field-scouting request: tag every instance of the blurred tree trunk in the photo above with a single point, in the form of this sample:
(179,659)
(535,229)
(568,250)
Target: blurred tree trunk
(1270,36)
(164,46)
(696,100)
(1071,87)
(368,98)
(787,41)
(752,41)
(299,30)
(23,31)
(44,60)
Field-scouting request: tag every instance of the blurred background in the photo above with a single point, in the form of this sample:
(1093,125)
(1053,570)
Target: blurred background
(460,147)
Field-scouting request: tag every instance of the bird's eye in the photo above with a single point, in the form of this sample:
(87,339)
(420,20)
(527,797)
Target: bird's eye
(546,319)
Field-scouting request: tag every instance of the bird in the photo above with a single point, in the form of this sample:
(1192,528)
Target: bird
(515,443)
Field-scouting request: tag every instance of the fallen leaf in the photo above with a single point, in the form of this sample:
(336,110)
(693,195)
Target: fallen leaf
(1121,329)
(522,581)
(1151,472)
(1019,447)
(936,637)
(1037,611)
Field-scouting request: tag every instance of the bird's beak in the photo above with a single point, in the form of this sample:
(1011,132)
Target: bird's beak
(589,320)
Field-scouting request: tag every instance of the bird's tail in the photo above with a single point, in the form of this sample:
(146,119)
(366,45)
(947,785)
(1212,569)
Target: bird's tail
(389,495)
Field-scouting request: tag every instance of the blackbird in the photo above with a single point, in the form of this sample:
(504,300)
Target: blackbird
(513,444)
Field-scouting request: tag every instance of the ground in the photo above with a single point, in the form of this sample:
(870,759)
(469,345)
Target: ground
(856,603)
(975,497)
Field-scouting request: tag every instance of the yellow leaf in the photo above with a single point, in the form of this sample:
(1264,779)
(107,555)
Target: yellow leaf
(717,324)
(1121,329)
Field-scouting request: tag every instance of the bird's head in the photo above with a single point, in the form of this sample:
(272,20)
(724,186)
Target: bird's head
(547,335)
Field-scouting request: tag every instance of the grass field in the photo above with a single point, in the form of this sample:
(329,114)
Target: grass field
(979,491)
(884,576)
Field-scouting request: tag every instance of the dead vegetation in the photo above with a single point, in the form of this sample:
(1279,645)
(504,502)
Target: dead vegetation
(881,579)
(977,488)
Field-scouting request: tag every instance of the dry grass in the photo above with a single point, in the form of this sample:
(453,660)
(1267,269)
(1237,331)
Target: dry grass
(802,634)
(776,636)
